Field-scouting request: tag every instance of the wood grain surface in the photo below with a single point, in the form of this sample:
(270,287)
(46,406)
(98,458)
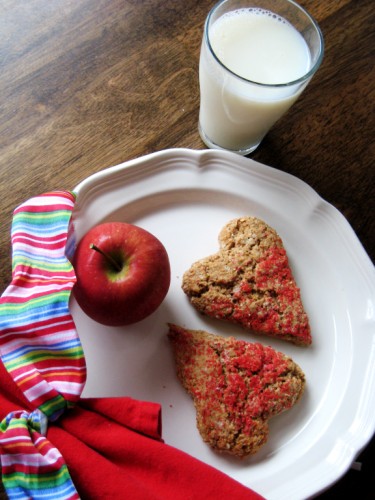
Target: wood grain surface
(87,84)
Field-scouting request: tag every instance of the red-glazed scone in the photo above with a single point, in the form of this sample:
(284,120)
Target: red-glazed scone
(236,387)
(249,282)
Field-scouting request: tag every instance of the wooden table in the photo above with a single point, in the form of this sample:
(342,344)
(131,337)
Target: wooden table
(86,84)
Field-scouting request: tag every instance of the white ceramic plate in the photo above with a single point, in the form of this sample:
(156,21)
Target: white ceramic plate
(184,197)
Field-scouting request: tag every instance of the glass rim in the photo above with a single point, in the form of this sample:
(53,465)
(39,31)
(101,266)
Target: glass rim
(297,81)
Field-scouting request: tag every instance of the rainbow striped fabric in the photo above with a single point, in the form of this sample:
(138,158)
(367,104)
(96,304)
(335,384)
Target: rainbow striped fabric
(39,347)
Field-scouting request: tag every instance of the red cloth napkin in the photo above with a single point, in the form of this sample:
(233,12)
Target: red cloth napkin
(113,449)
(95,448)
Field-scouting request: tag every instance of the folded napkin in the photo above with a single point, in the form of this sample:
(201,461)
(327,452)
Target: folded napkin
(53,443)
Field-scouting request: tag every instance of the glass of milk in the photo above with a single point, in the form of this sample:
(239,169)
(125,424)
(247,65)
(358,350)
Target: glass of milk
(256,59)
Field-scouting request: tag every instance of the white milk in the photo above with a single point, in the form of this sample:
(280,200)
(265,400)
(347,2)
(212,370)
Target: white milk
(257,46)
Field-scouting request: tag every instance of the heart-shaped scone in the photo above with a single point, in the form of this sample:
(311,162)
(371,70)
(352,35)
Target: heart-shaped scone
(236,387)
(249,282)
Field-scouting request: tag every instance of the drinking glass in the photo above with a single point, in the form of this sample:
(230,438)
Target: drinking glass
(282,47)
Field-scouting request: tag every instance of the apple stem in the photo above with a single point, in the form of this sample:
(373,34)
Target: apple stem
(110,259)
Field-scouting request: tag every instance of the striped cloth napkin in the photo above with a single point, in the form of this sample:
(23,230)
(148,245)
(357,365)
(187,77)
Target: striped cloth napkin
(39,347)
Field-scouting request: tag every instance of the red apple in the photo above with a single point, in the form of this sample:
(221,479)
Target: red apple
(123,273)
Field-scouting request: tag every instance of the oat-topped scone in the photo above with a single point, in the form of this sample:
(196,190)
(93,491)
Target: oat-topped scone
(249,282)
(236,387)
